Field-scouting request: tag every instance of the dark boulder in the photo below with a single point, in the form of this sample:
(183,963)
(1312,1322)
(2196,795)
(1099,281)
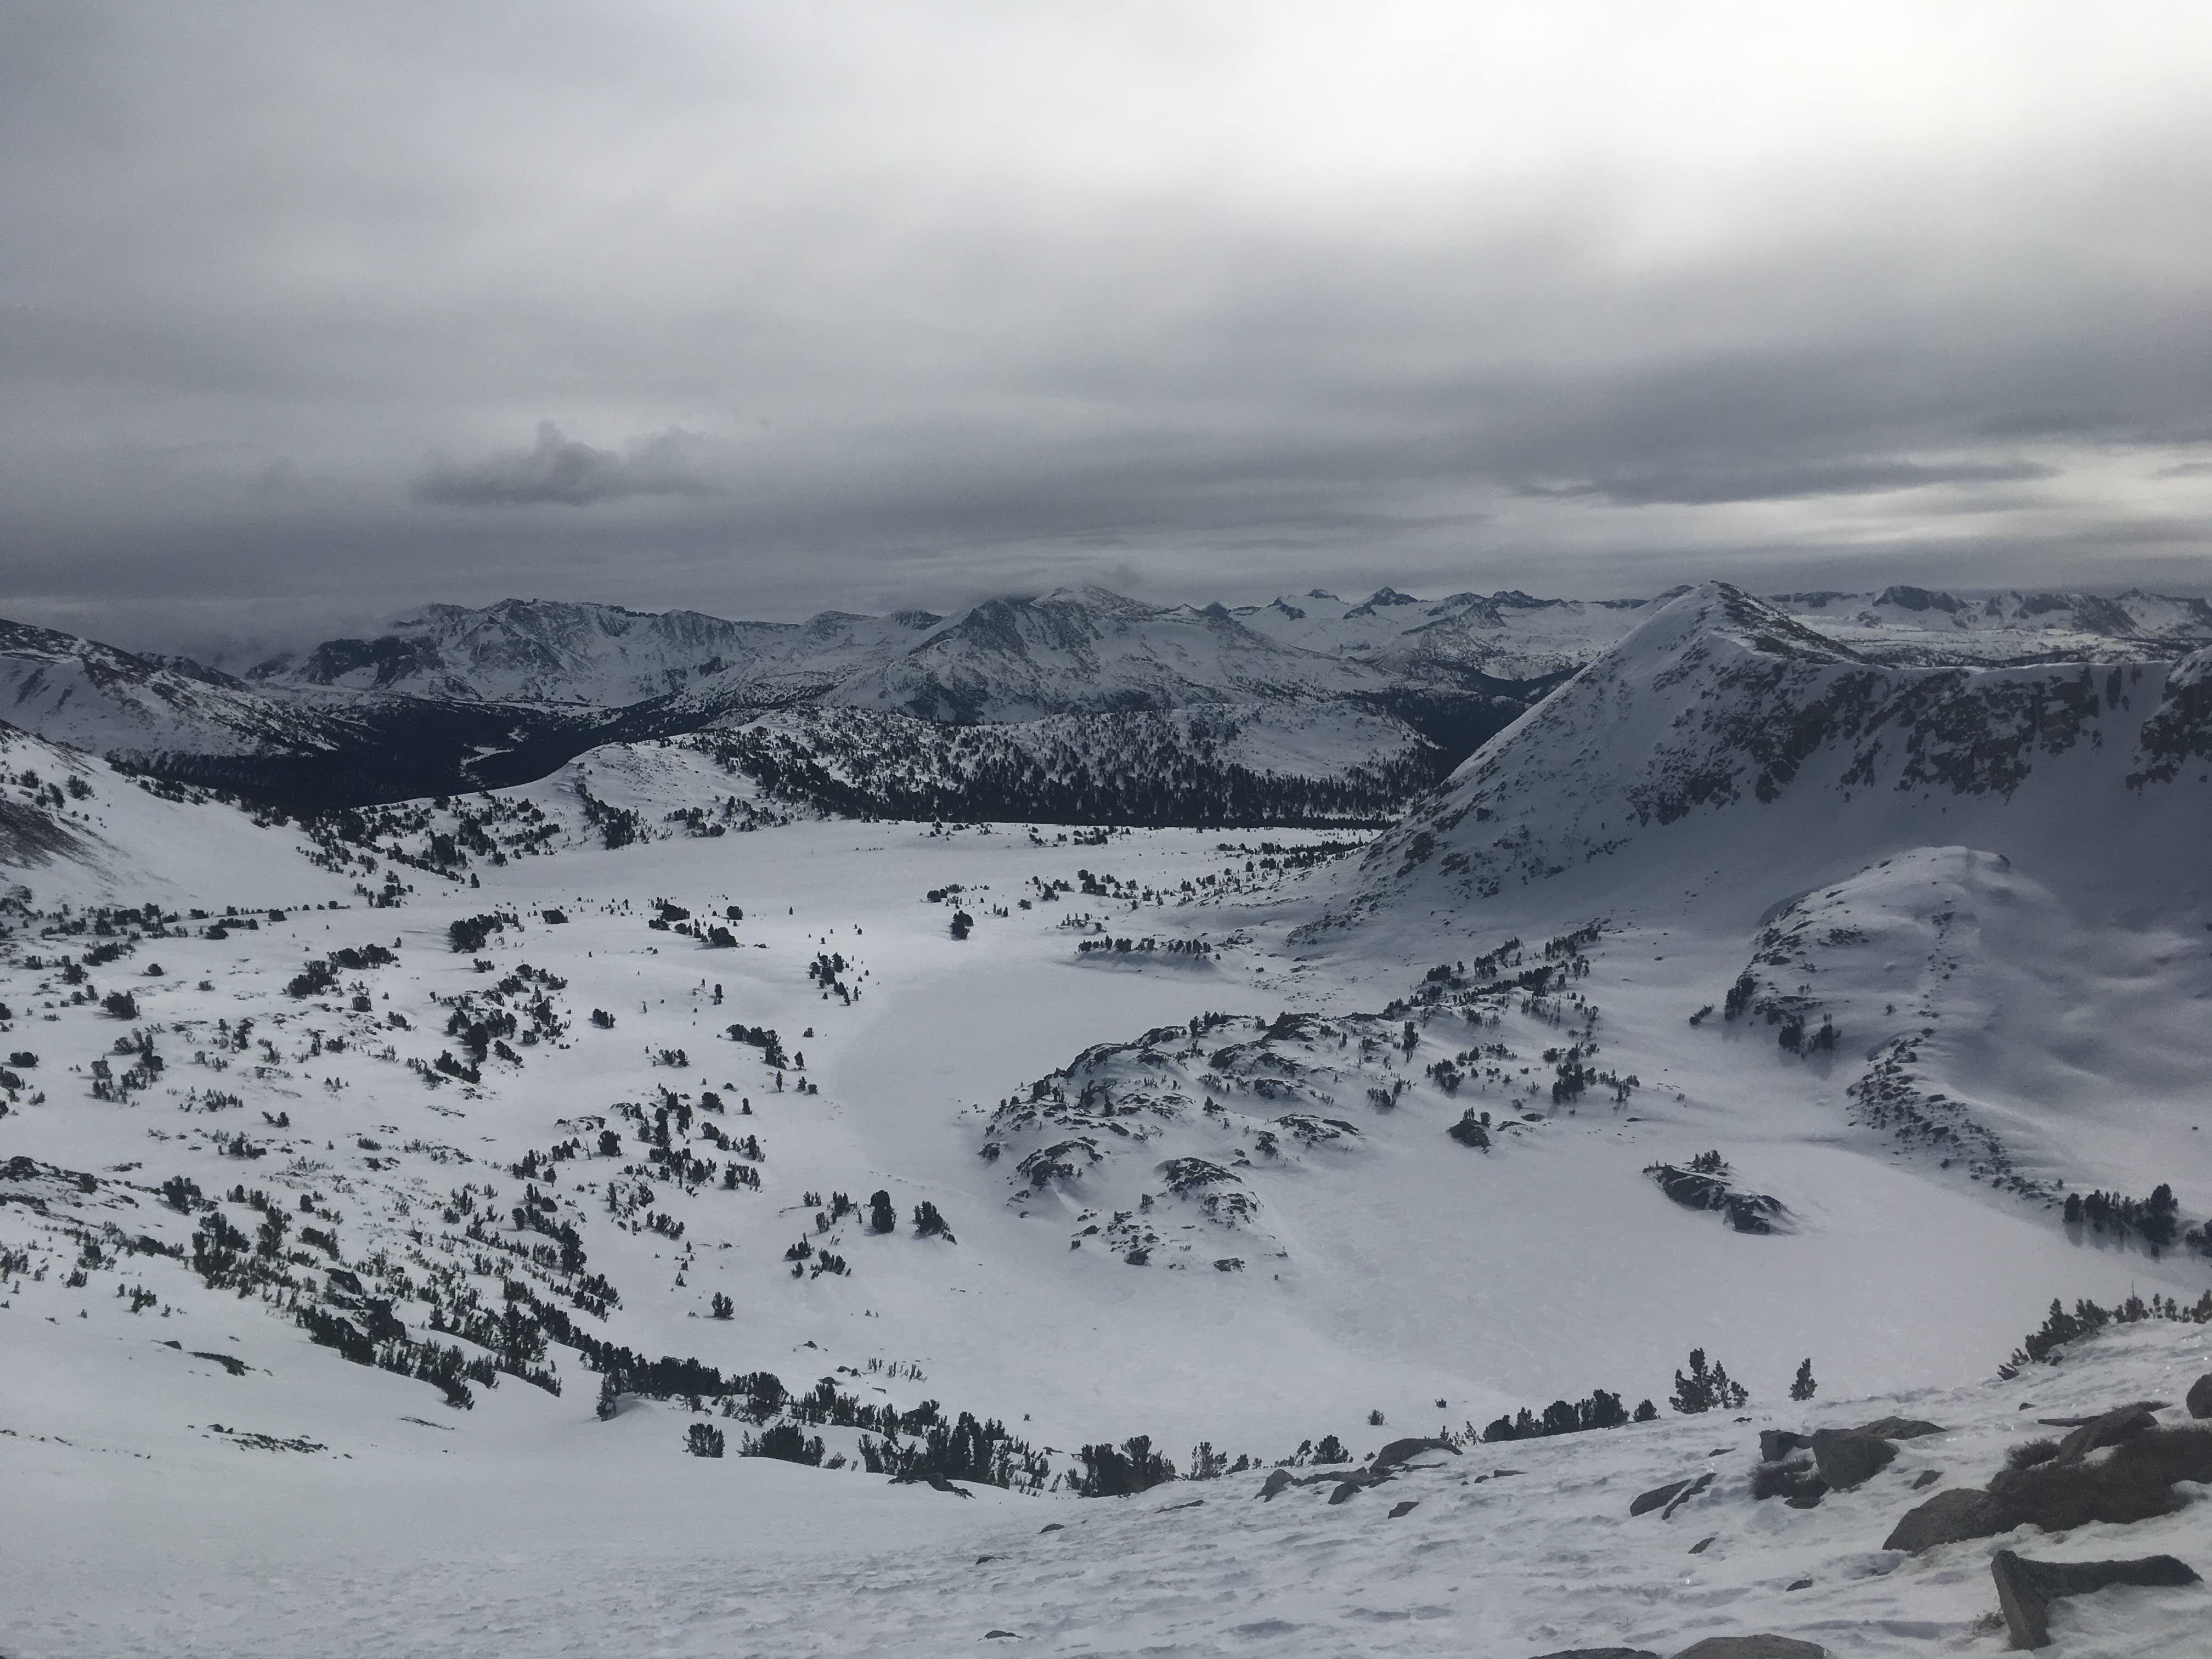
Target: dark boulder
(1278,1480)
(1695,1488)
(1345,1489)
(1950,1516)
(1775,1445)
(2199,1397)
(1600,1653)
(2135,1484)
(1398,1452)
(2109,1429)
(1846,1456)
(1753,1647)
(2026,1589)
(1658,1497)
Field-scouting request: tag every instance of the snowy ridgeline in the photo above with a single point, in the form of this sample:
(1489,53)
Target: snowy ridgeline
(1098,707)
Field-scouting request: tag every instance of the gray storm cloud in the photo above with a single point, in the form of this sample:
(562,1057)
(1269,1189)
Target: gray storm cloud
(930,298)
(561,469)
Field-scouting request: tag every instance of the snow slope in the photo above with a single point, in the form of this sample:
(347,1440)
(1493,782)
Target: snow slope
(1725,749)
(73,831)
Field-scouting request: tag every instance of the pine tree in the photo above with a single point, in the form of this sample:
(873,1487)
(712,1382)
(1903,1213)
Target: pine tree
(1694,1394)
(1706,1388)
(1804,1387)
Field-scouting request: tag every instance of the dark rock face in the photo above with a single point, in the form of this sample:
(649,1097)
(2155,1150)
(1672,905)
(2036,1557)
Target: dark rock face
(1698,1189)
(1950,1516)
(1847,1456)
(1345,1490)
(2026,1589)
(1682,1497)
(2135,1484)
(1658,1497)
(2199,1397)
(1753,1647)
(1775,1445)
(2112,1427)
(1398,1452)
(1278,1481)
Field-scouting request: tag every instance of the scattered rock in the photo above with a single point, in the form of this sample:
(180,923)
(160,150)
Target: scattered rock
(1703,1543)
(2026,1588)
(1926,1478)
(1600,1653)
(1800,1584)
(1808,1494)
(2199,1397)
(1775,1445)
(1276,1482)
(1950,1516)
(1849,1456)
(1345,1489)
(1658,1497)
(1404,1506)
(1753,1647)
(995,1635)
(1051,1526)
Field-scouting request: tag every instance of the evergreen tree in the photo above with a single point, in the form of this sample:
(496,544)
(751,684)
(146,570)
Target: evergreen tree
(1804,1387)
(1706,1388)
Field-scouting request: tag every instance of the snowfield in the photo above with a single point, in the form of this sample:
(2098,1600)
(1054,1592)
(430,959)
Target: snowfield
(389,1200)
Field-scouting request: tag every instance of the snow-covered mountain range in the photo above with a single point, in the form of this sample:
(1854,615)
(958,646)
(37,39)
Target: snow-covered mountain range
(450,698)
(462,1181)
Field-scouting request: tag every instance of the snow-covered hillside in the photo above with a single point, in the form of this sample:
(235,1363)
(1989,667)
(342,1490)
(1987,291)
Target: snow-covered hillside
(74,829)
(95,697)
(1723,749)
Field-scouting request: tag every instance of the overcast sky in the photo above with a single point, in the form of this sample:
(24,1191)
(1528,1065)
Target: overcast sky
(309,313)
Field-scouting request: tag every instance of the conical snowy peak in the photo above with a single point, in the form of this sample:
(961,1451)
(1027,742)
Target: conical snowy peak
(1722,745)
(1720,616)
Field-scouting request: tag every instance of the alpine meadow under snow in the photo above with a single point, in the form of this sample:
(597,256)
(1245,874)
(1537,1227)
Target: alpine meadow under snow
(1334,1126)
